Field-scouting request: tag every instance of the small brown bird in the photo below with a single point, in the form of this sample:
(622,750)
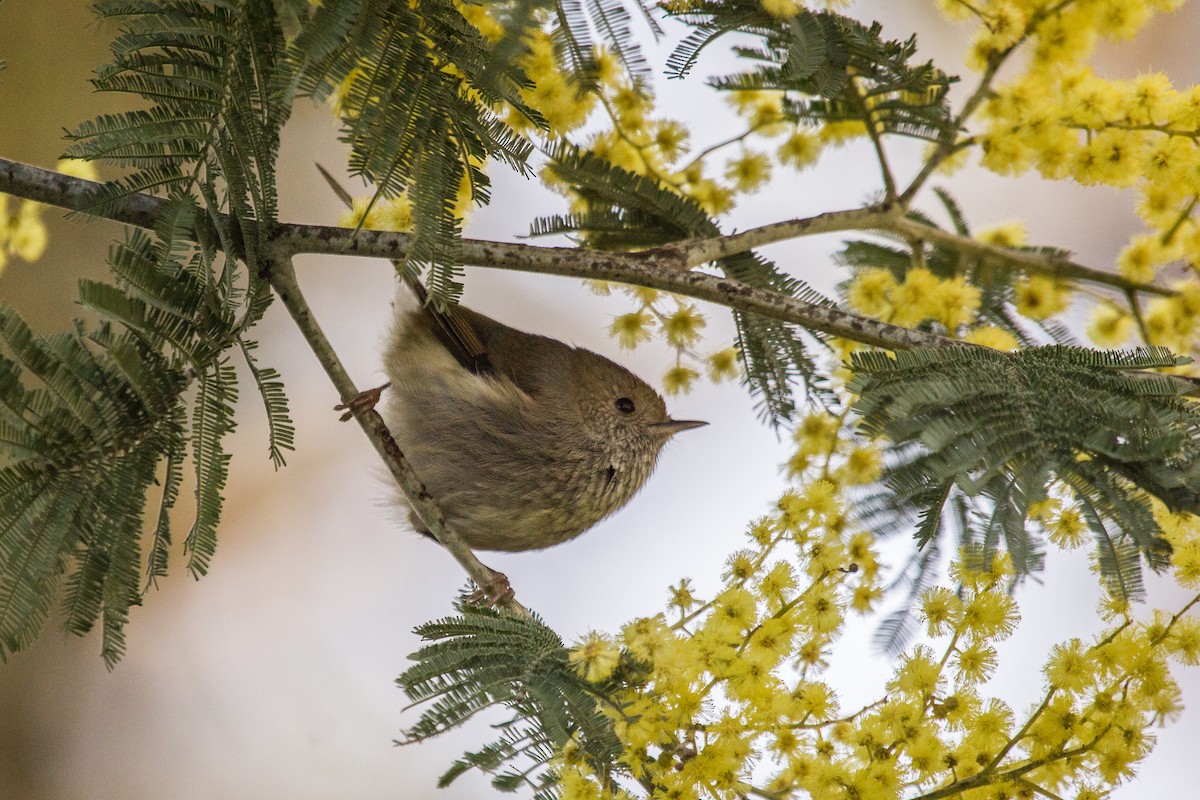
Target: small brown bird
(523,441)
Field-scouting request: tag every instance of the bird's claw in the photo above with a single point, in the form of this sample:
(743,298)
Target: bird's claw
(495,592)
(363,401)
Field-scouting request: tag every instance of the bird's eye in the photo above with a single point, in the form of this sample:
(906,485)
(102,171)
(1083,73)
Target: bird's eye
(624,405)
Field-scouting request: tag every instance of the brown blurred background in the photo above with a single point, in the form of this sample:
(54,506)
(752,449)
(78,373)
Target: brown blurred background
(272,677)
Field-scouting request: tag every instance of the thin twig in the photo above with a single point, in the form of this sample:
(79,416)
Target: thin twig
(282,277)
(892,219)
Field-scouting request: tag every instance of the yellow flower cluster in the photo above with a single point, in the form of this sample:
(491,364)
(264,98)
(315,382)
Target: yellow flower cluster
(680,325)
(382,214)
(22,233)
(1060,118)
(921,296)
(553,94)
(1182,531)
(723,699)
(826,449)
(734,678)
(1174,321)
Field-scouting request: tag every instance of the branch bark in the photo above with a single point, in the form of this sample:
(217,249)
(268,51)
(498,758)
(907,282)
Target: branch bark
(665,268)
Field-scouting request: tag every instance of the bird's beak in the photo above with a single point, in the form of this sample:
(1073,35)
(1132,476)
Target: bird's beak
(674,426)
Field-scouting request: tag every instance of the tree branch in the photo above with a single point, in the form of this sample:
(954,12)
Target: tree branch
(663,269)
(666,268)
(282,277)
(893,219)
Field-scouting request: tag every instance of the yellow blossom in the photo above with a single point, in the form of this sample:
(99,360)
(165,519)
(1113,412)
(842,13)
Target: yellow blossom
(1043,510)
(783,9)
(669,138)
(394,214)
(991,615)
(630,103)
(1183,642)
(1005,234)
(723,364)
(643,294)
(679,379)
(1140,257)
(645,638)
(993,337)
(483,21)
(863,465)
(1068,529)
(918,298)
(821,610)
(749,171)
(957,303)
(870,290)
(816,432)
(1112,157)
(1110,326)
(595,657)
(631,329)
(1039,297)
(918,674)
(683,327)
(712,197)
(27,236)
(820,500)
(1118,19)
(608,67)
(681,595)
(841,132)
(865,597)
(799,150)
(777,583)
(77,169)
(975,662)
(1070,667)
(942,610)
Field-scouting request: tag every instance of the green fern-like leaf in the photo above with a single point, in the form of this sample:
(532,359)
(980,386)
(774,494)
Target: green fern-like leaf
(85,443)
(1003,427)
(832,68)
(485,658)
(412,125)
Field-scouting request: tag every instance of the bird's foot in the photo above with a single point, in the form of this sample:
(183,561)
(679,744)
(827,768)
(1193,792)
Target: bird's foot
(363,401)
(495,592)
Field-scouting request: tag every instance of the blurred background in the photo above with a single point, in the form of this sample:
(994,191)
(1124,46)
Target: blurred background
(273,677)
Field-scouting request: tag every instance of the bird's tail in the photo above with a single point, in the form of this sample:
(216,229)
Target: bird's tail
(450,325)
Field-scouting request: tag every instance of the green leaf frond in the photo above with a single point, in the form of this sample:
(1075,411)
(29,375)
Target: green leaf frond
(413,124)
(216,93)
(578,24)
(627,211)
(999,428)
(281,430)
(86,422)
(110,418)
(611,18)
(110,421)
(832,68)
(486,658)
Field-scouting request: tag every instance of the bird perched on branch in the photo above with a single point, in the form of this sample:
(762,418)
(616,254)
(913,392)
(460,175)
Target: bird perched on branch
(522,440)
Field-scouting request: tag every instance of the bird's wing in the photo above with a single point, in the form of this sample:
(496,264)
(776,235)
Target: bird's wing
(457,332)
